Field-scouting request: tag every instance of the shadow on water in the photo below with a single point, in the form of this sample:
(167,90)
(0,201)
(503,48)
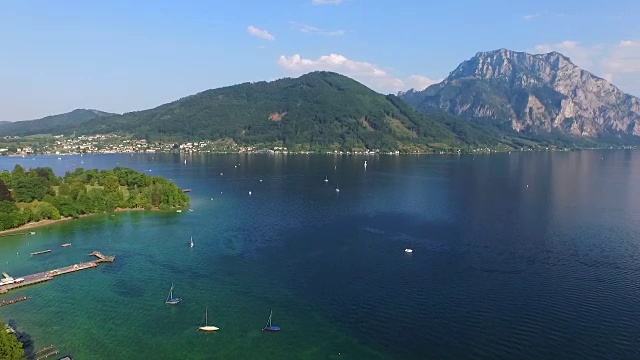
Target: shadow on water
(25,338)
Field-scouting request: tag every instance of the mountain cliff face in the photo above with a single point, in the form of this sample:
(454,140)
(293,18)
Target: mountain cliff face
(532,93)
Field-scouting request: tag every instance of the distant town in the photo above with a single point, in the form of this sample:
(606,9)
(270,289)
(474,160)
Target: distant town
(113,143)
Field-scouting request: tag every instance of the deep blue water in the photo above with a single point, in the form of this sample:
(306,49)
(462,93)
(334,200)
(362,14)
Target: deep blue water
(522,255)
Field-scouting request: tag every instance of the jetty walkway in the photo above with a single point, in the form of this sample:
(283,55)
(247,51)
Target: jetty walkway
(48,275)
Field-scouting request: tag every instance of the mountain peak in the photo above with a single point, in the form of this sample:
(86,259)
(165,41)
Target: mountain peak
(533,93)
(507,64)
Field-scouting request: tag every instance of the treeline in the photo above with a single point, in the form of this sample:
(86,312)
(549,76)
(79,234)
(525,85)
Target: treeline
(38,194)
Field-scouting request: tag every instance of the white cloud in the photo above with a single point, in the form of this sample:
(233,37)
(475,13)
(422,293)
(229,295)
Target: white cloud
(325,2)
(367,73)
(315,30)
(582,56)
(263,34)
(624,58)
(531,16)
(617,63)
(419,82)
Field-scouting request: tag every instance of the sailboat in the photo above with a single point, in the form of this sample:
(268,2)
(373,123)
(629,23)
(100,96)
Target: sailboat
(326,179)
(191,242)
(170,299)
(269,326)
(206,326)
(337,188)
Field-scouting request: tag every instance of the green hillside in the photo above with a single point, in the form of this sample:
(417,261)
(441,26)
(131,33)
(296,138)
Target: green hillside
(50,124)
(317,110)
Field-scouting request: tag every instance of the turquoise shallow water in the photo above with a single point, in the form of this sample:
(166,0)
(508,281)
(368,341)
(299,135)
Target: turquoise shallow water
(500,270)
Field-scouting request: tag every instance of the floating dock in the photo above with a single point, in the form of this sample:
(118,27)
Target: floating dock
(48,275)
(40,252)
(45,352)
(13,301)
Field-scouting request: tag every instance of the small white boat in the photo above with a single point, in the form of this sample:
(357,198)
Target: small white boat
(326,179)
(365,164)
(178,211)
(206,326)
(249,192)
(191,242)
(185,161)
(407,250)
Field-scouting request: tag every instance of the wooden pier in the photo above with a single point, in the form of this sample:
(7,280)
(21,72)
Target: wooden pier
(40,252)
(45,352)
(13,301)
(48,275)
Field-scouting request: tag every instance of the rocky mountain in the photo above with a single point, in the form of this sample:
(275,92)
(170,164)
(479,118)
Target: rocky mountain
(533,94)
(319,110)
(51,124)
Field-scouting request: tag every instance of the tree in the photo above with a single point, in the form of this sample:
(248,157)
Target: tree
(18,171)
(5,194)
(10,347)
(64,189)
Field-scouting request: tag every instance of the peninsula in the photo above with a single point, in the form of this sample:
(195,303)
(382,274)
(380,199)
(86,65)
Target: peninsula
(38,196)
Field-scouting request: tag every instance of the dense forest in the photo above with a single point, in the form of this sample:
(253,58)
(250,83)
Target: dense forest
(38,194)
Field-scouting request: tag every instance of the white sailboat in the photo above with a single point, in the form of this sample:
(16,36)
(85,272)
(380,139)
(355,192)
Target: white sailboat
(191,242)
(326,179)
(206,326)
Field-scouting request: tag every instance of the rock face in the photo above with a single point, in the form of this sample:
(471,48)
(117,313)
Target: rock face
(532,93)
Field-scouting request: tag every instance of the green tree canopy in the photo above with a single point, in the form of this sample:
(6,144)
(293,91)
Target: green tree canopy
(10,347)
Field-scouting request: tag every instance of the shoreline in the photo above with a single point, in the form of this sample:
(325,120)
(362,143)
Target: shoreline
(42,223)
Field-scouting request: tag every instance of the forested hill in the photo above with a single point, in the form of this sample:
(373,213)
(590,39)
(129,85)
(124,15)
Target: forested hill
(51,124)
(38,194)
(316,110)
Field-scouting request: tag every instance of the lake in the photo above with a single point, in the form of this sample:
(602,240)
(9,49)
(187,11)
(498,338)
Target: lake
(522,255)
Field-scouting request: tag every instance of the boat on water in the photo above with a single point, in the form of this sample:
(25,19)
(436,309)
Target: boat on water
(66,245)
(269,326)
(207,327)
(172,300)
(326,179)
(408,251)
(191,242)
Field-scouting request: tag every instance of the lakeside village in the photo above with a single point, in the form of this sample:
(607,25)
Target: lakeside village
(112,144)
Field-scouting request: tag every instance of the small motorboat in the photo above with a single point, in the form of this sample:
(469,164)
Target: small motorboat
(409,251)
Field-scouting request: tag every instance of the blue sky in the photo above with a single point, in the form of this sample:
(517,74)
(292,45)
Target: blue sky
(121,56)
